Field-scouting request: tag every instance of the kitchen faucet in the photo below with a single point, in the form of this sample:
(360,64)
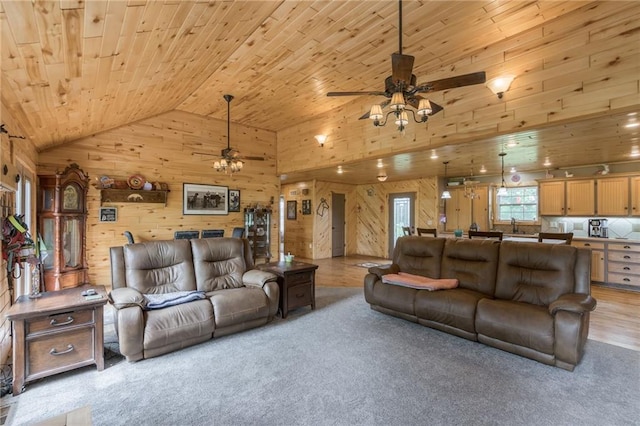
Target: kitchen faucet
(514,227)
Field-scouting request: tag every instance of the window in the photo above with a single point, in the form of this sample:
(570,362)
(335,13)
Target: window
(520,204)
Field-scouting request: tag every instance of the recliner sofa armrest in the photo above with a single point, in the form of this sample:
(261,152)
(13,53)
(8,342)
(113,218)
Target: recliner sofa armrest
(126,297)
(257,278)
(391,269)
(575,302)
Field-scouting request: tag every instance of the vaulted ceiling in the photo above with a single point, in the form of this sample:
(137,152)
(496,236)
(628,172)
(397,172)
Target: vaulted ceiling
(72,68)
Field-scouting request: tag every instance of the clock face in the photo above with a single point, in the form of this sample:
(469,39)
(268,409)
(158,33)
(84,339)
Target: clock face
(71,198)
(515,178)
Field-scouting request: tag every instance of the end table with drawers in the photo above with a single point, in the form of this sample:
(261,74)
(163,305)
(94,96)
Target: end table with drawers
(56,332)
(297,282)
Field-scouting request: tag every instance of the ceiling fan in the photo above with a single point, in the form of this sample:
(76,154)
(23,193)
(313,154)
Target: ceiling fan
(401,89)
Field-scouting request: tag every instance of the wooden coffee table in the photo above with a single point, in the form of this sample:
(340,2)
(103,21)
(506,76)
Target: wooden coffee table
(59,331)
(297,282)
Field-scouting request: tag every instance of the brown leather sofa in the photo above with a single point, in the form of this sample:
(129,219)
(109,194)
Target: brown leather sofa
(236,296)
(532,299)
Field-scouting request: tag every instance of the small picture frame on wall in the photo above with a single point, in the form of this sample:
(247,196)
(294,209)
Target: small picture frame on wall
(292,206)
(234,200)
(108,214)
(306,206)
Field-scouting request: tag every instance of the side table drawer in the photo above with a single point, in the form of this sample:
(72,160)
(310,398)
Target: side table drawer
(299,295)
(299,278)
(59,351)
(60,321)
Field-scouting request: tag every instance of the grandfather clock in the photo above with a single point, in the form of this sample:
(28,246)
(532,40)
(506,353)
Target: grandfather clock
(62,218)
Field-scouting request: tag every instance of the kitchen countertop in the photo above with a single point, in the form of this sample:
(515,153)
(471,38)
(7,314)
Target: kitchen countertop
(534,238)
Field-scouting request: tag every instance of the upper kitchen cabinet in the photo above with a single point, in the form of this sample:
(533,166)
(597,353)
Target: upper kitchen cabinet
(613,196)
(567,198)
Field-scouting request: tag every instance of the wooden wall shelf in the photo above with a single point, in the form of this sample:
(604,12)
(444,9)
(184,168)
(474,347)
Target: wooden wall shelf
(133,196)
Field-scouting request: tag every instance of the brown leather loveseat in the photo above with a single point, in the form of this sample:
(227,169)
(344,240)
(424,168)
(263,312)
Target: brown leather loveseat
(216,279)
(532,299)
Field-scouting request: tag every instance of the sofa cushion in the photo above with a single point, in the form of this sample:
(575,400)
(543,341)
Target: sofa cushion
(535,273)
(473,262)
(522,324)
(159,266)
(455,307)
(177,323)
(237,305)
(419,255)
(218,263)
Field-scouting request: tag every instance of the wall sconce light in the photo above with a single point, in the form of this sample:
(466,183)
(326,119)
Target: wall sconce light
(321,139)
(499,85)
(382,176)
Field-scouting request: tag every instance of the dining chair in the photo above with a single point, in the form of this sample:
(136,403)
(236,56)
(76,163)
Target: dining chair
(427,231)
(186,235)
(566,236)
(486,234)
(406,230)
(237,232)
(212,233)
(129,237)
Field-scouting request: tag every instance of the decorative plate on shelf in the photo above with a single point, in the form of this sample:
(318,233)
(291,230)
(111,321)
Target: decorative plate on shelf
(515,178)
(136,182)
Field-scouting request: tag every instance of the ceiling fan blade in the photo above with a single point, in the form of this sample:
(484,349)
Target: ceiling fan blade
(382,105)
(451,82)
(356,93)
(401,68)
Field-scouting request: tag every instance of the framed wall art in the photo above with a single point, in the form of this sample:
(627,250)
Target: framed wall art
(108,214)
(234,200)
(306,206)
(292,206)
(204,199)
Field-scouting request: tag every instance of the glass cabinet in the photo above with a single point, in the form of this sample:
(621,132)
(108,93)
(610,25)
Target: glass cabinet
(62,217)
(257,222)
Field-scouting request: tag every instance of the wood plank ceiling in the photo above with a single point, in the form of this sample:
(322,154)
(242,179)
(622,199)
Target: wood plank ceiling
(72,68)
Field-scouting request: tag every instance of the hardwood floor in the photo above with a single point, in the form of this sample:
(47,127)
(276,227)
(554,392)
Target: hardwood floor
(616,319)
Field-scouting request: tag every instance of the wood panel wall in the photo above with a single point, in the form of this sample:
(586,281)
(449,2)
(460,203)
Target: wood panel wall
(583,64)
(373,212)
(167,148)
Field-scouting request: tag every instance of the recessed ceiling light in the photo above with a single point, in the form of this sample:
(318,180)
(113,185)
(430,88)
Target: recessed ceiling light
(511,143)
(483,169)
(635,152)
(546,163)
(379,165)
(513,170)
(434,156)
(340,170)
(632,124)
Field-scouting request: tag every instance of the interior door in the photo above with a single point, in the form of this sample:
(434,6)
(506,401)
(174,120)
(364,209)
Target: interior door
(401,213)
(337,224)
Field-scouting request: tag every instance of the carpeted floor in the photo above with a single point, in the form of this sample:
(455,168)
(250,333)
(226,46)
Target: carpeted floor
(343,364)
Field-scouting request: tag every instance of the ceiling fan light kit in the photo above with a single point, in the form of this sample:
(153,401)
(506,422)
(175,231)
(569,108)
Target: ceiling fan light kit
(230,161)
(402,91)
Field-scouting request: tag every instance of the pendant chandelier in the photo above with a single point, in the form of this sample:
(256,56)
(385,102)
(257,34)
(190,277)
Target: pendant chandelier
(230,161)
(445,194)
(471,186)
(503,186)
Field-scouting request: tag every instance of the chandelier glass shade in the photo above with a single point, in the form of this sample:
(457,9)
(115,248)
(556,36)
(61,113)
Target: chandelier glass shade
(230,161)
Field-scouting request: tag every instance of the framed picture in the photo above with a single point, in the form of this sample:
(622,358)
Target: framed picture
(234,200)
(306,206)
(108,214)
(204,199)
(292,206)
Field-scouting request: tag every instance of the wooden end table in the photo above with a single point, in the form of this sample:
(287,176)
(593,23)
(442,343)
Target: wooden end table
(56,332)
(297,282)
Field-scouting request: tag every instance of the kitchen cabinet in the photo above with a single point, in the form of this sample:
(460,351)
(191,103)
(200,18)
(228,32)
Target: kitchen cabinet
(567,198)
(551,198)
(597,259)
(612,196)
(623,264)
(62,221)
(635,196)
(462,211)
(257,222)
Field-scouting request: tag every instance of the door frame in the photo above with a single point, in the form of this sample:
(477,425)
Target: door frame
(412,213)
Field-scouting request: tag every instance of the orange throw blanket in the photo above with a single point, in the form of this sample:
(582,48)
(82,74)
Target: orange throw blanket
(419,282)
